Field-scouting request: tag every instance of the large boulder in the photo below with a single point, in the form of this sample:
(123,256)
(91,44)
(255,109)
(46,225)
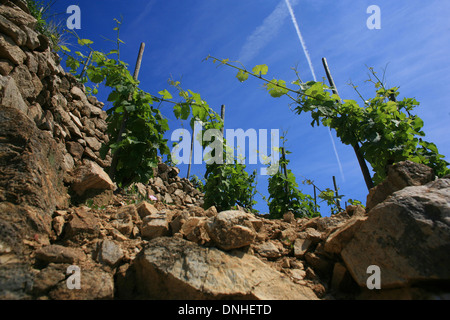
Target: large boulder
(231,229)
(174,268)
(407,236)
(342,235)
(400,175)
(95,284)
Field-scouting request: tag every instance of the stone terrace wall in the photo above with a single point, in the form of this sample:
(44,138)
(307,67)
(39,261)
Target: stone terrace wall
(33,82)
(51,134)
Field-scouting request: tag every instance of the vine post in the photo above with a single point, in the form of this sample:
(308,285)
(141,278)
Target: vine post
(193,137)
(191,153)
(139,61)
(115,158)
(283,154)
(222,115)
(338,201)
(315,198)
(86,65)
(356,148)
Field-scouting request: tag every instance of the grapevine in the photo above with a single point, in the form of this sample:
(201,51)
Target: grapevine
(385,128)
(136,126)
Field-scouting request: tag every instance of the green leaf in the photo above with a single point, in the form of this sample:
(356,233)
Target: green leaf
(242,75)
(277,88)
(64,48)
(99,57)
(260,70)
(95,75)
(165,94)
(185,111)
(73,64)
(418,124)
(335,97)
(197,98)
(84,42)
(130,108)
(177,111)
(391,107)
(198,112)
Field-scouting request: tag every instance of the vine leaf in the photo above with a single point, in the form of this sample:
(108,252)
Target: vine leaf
(84,42)
(177,111)
(242,75)
(165,94)
(64,48)
(277,88)
(260,70)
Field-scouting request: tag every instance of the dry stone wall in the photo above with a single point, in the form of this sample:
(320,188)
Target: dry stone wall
(33,82)
(51,133)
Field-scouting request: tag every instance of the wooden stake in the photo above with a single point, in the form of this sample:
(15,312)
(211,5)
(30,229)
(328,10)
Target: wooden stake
(283,152)
(315,198)
(362,162)
(192,151)
(363,166)
(115,158)
(330,78)
(139,61)
(222,115)
(338,201)
(86,65)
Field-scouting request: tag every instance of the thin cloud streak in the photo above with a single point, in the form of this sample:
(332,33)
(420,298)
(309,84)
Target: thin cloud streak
(300,37)
(311,67)
(144,14)
(263,34)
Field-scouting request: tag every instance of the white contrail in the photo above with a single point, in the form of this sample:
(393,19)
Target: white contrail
(311,67)
(300,37)
(337,155)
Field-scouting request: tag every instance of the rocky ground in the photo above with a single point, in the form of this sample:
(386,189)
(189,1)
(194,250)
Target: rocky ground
(134,248)
(110,242)
(60,210)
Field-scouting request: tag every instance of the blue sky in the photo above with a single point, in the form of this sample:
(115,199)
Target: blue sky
(413,43)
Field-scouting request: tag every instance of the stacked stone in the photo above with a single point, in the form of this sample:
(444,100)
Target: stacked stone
(32,81)
(168,187)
